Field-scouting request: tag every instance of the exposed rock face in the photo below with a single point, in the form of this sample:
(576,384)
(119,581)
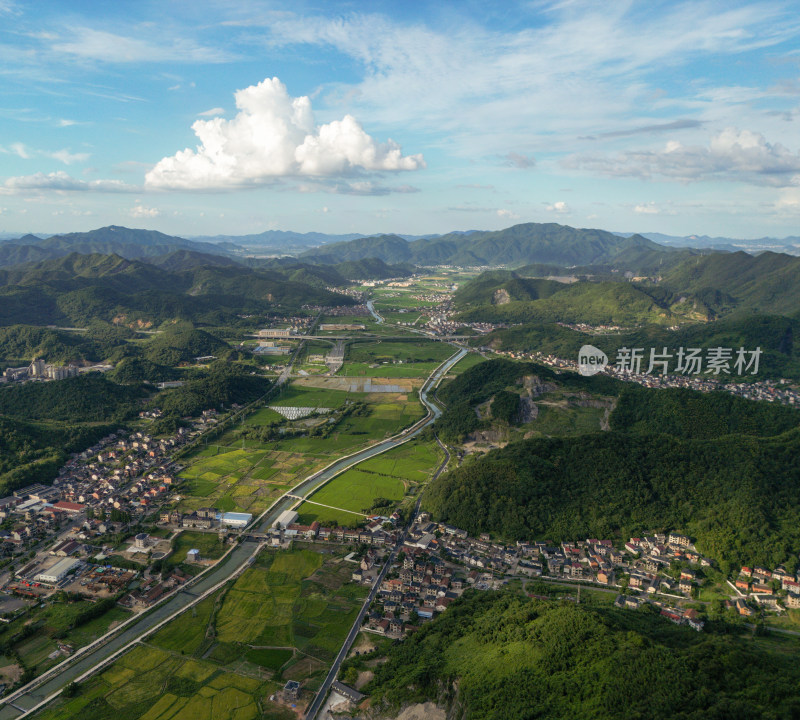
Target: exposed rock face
(501,297)
(535,386)
(423,711)
(528,410)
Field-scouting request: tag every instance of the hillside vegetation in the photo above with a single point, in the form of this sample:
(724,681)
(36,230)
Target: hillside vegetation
(546,243)
(495,656)
(78,289)
(719,467)
(774,334)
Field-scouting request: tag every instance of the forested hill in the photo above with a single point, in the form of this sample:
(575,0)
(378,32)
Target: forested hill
(518,245)
(774,334)
(126,242)
(737,495)
(497,656)
(77,289)
(721,468)
(740,283)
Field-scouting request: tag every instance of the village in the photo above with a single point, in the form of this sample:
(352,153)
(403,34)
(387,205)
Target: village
(780,391)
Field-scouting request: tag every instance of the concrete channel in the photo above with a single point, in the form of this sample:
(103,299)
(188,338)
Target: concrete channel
(29,699)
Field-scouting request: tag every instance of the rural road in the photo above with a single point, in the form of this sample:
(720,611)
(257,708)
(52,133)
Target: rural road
(28,698)
(322,693)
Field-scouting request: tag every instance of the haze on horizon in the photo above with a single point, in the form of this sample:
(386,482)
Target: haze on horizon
(672,117)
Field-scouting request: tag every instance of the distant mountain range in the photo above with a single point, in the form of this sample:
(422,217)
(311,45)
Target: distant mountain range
(125,242)
(77,289)
(548,243)
(790,244)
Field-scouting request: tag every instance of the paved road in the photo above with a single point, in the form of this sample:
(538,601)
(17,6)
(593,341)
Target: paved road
(322,693)
(19,703)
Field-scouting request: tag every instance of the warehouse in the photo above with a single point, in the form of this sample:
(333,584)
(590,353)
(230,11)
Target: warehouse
(236,520)
(58,572)
(286,518)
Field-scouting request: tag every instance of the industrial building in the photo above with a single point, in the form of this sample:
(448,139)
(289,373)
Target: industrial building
(286,518)
(58,572)
(236,520)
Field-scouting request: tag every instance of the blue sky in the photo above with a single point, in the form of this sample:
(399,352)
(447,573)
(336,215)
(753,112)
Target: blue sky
(411,117)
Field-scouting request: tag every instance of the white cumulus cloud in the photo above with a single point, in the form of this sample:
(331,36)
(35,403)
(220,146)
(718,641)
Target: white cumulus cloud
(649,208)
(274,135)
(559,207)
(138,211)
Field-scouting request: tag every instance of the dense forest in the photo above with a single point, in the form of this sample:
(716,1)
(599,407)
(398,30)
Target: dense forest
(496,656)
(737,495)
(220,386)
(86,398)
(719,467)
(77,290)
(774,334)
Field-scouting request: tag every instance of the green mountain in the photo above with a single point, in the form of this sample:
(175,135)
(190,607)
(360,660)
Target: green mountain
(337,273)
(77,289)
(524,244)
(498,287)
(774,334)
(502,655)
(129,243)
(596,303)
(740,283)
(720,468)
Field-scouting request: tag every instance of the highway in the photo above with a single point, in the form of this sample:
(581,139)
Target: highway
(38,692)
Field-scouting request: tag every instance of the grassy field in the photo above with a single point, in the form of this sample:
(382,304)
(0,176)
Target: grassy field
(468,361)
(388,476)
(207,543)
(299,396)
(408,352)
(55,623)
(356,490)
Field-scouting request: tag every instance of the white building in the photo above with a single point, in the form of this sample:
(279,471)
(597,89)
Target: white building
(286,518)
(58,572)
(236,520)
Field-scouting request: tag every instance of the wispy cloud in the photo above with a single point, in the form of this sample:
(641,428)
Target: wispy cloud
(61,181)
(91,44)
(587,65)
(743,156)
(518,160)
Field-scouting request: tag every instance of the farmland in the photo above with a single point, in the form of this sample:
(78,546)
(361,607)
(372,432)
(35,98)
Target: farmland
(283,618)
(245,468)
(390,477)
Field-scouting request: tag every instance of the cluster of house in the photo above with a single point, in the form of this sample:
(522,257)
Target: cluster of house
(41,370)
(768,390)
(767,588)
(153,588)
(378,531)
(440,561)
